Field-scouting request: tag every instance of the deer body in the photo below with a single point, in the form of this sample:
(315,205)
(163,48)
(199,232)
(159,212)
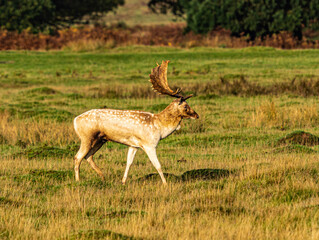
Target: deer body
(132,128)
(135,129)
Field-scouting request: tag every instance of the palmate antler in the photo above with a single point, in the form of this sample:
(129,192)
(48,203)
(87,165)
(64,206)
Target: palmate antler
(158,78)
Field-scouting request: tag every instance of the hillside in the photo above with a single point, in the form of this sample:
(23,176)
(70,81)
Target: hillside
(136,12)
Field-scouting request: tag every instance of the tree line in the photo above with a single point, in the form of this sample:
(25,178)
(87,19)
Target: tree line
(252,18)
(40,15)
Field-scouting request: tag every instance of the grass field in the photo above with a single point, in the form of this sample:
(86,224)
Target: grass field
(252,188)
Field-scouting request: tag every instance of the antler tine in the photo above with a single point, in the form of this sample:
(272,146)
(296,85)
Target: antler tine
(187,97)
(158,78)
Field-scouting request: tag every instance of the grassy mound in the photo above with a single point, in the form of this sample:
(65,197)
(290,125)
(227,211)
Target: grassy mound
(301,138)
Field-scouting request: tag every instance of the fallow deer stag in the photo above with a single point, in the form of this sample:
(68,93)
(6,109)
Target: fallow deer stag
(136,129)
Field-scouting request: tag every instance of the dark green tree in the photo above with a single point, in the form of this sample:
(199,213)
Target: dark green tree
(202,15)
(23,14)
(38,15)
(253,18)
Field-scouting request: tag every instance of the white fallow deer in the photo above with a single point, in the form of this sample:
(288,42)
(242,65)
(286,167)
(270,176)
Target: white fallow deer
(136,129)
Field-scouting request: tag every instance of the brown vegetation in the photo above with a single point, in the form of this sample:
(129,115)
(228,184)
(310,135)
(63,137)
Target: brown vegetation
(236,87)
(92,38)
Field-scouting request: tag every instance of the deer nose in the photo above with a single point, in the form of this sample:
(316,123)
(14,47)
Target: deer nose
(196,115)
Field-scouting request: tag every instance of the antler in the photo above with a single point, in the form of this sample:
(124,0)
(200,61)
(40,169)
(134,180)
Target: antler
(158,78)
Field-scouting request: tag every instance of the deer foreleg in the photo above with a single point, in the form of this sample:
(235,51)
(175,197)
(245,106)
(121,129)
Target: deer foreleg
(130,158)
(151,153)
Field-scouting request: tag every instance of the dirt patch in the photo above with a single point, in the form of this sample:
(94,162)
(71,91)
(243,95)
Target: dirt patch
(300,138)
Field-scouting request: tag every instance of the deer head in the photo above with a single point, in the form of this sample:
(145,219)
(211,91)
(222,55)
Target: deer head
(158,78)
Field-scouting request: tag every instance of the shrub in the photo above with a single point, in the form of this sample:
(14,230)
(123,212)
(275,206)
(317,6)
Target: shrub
(253,18)
(166,5)
(38,15)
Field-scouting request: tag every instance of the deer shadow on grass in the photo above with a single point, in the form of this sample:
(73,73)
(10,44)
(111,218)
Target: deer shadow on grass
(191,175)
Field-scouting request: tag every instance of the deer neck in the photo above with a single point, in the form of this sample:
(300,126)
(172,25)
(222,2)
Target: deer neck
(169,121)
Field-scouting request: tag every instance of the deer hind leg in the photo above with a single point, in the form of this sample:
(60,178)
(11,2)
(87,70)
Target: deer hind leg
(89,157)
(130,157)
(151,153)
(83,151)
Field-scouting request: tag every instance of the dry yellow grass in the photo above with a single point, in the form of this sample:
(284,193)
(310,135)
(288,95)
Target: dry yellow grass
(265,192)
(34,132)
(89,45)
(252,204)
(266,196)
(270,115)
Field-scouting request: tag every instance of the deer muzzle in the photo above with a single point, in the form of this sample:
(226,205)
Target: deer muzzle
(194,115)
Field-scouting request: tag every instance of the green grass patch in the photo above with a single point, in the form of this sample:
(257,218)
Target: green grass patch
(294,149)
(45,152)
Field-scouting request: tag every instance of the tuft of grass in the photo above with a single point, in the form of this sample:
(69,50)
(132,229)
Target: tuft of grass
(5,201)
(100,234)
(102,213)
(294,149)
(270,115)
(3,140)
(294,195)
(43,90)
(205,174)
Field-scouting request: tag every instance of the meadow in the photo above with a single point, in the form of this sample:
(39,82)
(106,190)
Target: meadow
(229,176)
